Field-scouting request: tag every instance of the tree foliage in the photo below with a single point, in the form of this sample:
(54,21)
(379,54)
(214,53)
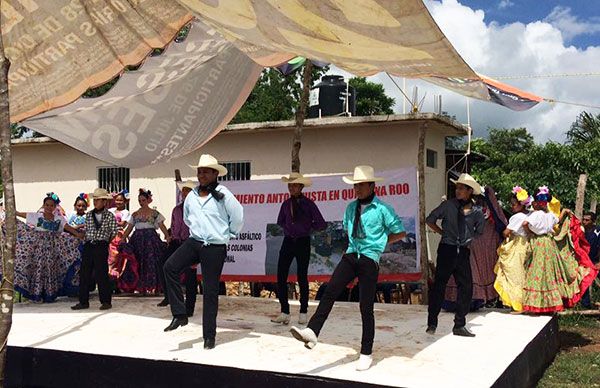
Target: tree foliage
(371,98)
(275,96)
(515,159)
(586,128)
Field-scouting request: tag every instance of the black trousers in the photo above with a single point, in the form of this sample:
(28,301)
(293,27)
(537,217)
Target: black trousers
(94,263)
(451,260)
(349,268)
(191,283)
(211,259)
(300,249)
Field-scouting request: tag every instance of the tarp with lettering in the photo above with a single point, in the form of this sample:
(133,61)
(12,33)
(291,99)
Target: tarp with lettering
(254,253)
(172,105)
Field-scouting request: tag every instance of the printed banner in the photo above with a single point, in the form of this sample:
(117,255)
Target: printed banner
(253,255)
(60,48)
(168,108)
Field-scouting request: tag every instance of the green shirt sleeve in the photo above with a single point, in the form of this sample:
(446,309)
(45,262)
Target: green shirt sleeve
(392,222)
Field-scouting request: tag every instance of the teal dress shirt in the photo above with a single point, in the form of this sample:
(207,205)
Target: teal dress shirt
(378,221)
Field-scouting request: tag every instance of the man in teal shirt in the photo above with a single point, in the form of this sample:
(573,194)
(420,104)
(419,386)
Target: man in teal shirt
(371,224)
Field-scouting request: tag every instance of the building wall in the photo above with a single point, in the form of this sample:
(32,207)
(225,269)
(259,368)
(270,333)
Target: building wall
(39,168)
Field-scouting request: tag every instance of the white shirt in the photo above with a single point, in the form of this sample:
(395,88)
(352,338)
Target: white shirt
(515,223)
(38,221)
(541,222)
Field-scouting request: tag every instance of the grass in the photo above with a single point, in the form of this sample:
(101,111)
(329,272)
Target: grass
(578,362)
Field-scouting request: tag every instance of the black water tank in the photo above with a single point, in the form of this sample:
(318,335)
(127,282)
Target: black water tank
(331,92)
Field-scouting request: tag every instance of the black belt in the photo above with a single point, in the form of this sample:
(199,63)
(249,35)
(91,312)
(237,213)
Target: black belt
(97,242)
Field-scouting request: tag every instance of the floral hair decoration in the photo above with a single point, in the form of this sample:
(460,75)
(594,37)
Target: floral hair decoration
(543,195)
(84,197)
(522,195)
(146,193)
(125,194)
(53,197)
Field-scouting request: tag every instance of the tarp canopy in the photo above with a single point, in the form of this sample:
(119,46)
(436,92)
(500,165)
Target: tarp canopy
(58,49)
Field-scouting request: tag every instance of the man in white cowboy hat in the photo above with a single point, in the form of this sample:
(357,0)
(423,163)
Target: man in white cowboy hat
(298,217)
(179,233)
(100,228)
(461,222)
(371,224)
(213,215)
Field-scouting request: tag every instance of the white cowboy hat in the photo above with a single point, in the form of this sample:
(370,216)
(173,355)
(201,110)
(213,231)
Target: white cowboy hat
(362,174)
(296,177)
(100,194)
(468,180)
(210,161)
(189,184)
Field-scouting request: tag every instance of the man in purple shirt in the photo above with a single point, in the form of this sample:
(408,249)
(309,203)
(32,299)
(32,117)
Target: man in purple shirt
(298,217)
(179,233)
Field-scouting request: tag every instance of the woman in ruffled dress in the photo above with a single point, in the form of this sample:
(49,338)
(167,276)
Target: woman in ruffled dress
(514,252)
(147,246)
(553,276)
(43,253)
(122,265)
(77,221)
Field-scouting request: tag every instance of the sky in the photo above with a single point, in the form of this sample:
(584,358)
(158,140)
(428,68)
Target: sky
(511,38)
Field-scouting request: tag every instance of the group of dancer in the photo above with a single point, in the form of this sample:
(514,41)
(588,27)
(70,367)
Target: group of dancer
(543,263)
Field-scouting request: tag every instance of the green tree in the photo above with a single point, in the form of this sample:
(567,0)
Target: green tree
(513,158)
(275,96)
(586,128)
(371,98)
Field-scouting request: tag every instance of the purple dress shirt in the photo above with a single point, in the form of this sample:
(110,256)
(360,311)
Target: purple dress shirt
(309,218)
(179,230)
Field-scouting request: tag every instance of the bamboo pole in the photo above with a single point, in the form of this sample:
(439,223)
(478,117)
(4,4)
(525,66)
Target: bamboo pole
(422,228)
(10,223)
(580,195)
(300,115)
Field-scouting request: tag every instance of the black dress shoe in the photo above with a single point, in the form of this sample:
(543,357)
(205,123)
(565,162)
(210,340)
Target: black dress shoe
(209,343)
(163,303)
(176,322)
(462,331)
(430,329)
(190,314)
(105,306)
(80,306)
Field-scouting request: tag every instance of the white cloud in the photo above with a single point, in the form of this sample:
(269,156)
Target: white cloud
(505,4)
(512,49)
(569,24)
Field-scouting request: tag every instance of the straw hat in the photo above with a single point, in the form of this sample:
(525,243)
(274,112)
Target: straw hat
(100,194)
(468,180)
(189,184)
(210,161)
(296,177)
(362,174)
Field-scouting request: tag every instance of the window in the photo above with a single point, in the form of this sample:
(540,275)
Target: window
(236,171)
(113,179)
(432,158)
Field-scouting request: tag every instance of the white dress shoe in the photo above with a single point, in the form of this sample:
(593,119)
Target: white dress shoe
(282,318)
(305,335)
(303,318)
(364,362)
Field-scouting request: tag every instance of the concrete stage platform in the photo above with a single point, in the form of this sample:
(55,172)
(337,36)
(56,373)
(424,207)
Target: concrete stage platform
(52,346)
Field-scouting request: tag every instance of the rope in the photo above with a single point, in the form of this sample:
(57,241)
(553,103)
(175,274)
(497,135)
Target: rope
(552,101)
(564,75)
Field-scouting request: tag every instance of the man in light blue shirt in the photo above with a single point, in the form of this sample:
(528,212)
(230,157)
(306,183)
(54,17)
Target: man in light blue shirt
(371,224)
(213,215)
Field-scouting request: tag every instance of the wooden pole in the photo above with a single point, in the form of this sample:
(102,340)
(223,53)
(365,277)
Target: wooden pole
(580,195)
(10,223)
(593,205)
(300,115)
(422,231)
